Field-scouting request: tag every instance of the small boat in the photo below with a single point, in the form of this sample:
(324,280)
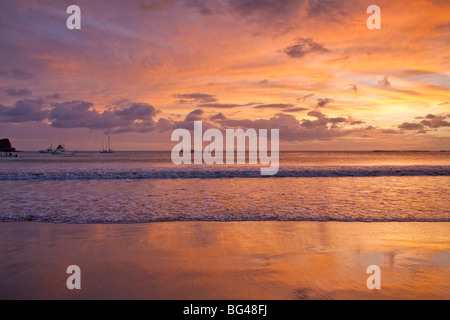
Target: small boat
(108,147)
(61,150)
(49,150)
(8,155)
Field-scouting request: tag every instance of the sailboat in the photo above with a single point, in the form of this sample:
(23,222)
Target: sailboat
(108,147)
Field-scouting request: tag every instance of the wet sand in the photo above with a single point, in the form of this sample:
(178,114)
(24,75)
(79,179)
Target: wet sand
(225,260)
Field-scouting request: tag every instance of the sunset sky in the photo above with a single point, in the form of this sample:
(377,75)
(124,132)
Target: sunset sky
(311,68)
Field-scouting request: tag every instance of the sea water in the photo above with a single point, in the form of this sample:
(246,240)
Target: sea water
(137,187)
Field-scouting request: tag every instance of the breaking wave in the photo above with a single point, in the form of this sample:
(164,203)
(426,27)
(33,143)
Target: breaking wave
(196,172)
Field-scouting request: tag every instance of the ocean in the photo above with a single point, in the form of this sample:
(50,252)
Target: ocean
(141,187)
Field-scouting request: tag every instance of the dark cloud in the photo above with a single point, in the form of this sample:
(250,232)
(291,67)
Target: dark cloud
(302,47)
(283,106)
(164,124)
(222,105)
(203,7)
(17,92)
(218,116)
(352,122)
(410,126)
(183,101)
(323,102)
(384,82)
(20,74)
(280,12)
(323,120)
(294,109)
(194,98)
(156,5)
(54,96)
(331,9)
(373,131)
(274,106)
(138,117)
(337,120)
(430,116)
(24,111)
(305,97)
(392,131)
(137,111)
(188,122)
(445,27)
(352,87)
(430,121)
(76,114)
(290,128)
(265,7)
(194,115)
(316,114)
(17,74)
(434,122)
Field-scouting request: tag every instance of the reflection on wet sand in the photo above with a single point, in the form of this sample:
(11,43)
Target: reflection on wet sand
(226,260)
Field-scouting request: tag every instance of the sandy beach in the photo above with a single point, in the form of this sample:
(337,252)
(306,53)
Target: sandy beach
(225,260)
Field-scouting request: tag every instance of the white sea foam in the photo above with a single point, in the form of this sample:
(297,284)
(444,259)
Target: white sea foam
(199,172)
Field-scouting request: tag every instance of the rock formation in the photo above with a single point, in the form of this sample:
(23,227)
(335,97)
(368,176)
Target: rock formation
(5,146)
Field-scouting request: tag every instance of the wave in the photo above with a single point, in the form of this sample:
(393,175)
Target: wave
(216,172)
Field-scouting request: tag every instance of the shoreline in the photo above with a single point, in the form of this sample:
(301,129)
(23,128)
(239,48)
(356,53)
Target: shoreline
(264,260)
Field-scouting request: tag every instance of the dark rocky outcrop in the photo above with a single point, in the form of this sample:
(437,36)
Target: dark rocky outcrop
(5,146)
